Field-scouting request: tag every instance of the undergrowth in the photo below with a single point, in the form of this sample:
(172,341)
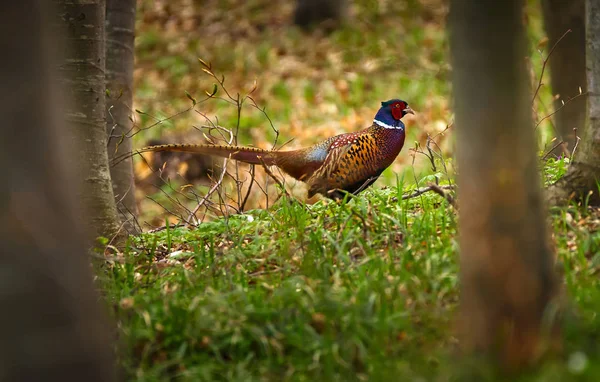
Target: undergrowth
(365,289)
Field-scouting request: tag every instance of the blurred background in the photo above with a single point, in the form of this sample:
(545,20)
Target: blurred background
(314,76)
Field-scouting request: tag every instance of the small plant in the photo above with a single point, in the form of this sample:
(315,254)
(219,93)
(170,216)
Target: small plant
(554,169)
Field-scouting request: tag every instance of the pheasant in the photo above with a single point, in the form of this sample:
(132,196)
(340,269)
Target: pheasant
(345,163)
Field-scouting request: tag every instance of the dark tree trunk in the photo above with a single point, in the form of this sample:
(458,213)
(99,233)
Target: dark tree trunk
(567,64)
(51,327)
(581,180)
(507,275)
(312,12)
(83,73)
(120,32)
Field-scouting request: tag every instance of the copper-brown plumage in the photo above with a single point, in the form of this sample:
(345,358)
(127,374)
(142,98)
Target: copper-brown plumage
(346,163)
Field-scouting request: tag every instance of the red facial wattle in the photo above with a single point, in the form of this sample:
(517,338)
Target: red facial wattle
(397,110)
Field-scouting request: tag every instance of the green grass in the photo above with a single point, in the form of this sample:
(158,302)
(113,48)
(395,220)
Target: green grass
(325,291)
(364,290)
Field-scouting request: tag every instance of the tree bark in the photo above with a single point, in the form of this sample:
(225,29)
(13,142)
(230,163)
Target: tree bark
(51,326)
(581,180)
(83,75)
(567,64)
(507,277)
(120,33)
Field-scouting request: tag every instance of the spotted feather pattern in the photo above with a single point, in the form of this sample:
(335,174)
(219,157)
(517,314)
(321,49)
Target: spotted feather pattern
(356,160)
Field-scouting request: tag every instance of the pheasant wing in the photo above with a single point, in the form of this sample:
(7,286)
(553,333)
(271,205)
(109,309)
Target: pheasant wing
(347,167)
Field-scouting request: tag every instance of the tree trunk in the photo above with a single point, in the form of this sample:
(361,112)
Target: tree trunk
(51,326)
(567,64)
(83,80)
(507,275)
(581,180)
(120,32)
(311,12)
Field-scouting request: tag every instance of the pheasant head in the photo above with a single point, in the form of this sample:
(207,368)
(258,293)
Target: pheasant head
(391,112)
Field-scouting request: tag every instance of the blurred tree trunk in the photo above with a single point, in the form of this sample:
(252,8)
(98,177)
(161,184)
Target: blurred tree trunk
(83,80)
(567,64)
(584,173)
(507,275)
(311,12)
(51,326)
(120,32)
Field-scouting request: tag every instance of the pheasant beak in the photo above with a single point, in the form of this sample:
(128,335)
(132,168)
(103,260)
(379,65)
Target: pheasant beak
(408,110)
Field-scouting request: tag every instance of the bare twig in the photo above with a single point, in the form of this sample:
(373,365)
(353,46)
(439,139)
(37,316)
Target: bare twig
(446,195)
(164,227)
(173,200)
(365,184)
(433,151)
(557,110)
(439,154)
(539,85)
(220,197)
(272,176)
(252,179)
(158,120)
(166,209)
(422,191)
(209,193)
(576,145)
(264,112)
(131,217)
(552,150)
(264,191)
(432,187)
(543,105)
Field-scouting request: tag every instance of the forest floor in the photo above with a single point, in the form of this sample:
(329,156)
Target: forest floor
(364,290)
(314,290)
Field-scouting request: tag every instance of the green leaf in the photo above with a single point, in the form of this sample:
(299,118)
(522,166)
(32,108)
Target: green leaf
(214,91)
(191,98)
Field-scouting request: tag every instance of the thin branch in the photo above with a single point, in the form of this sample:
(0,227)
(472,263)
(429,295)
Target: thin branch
(446,195)
(272,176)
(180,217)
(424,190)
(545,109)
(545,63)
(173,200)
(576,144)
(158,121)
(252,180)
(440,190)
(215,134)
(552,150)
(557,110)
(209,193)
(164,227)
(264,112)
(365,184)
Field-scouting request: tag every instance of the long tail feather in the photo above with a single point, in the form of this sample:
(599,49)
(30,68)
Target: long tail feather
(291,162)
(249,155)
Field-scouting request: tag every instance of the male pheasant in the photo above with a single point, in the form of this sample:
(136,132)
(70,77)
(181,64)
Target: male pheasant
(345,163)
